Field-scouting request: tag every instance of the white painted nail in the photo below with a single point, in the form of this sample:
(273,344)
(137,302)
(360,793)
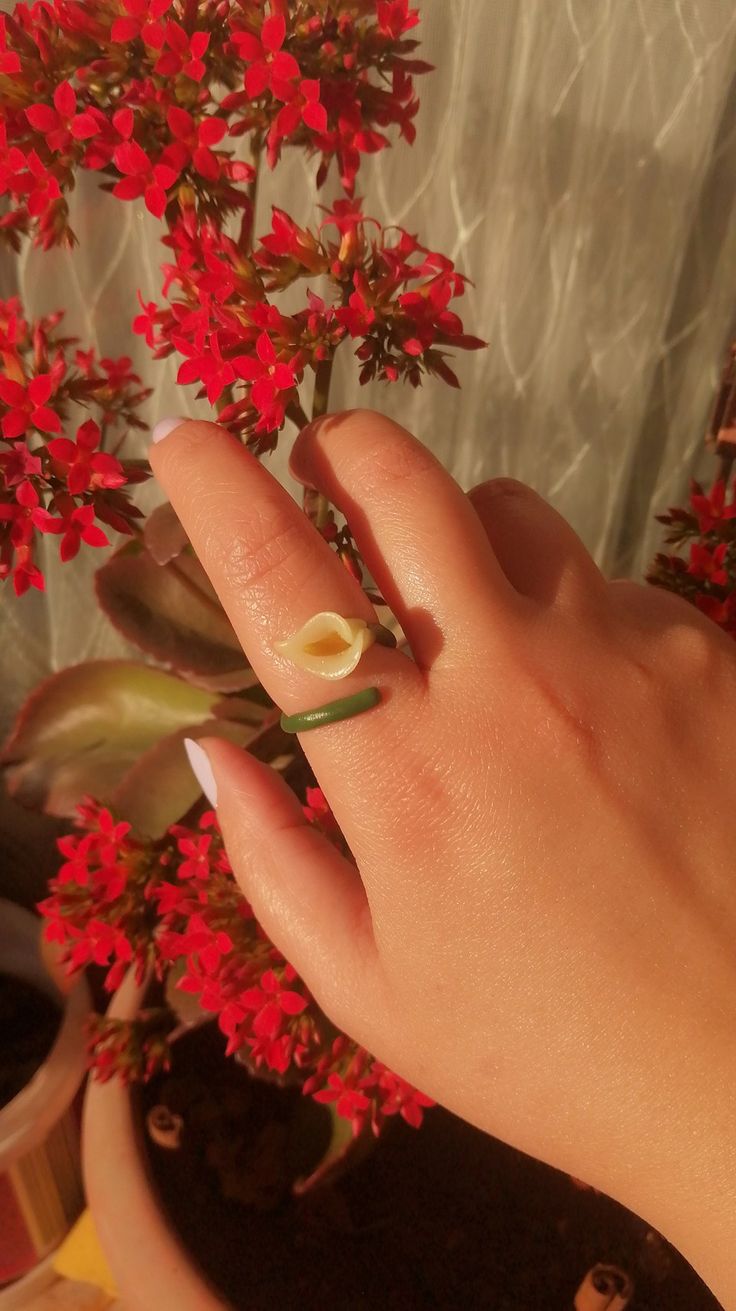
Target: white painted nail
(202,769)
(165,426)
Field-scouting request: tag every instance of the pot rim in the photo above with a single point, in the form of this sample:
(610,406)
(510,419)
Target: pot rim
(150,1265)
(28,1118)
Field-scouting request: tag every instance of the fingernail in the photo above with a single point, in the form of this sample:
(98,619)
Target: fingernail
(165,426)
(202,769)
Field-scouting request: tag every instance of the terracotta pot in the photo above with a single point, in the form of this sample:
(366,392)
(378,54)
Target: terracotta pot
(40,1178)
(151,1268)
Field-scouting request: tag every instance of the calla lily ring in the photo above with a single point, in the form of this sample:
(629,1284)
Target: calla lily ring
(331,646)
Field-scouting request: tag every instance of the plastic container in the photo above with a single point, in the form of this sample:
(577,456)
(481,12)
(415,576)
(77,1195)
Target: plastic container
(40,1175)
(150,1266)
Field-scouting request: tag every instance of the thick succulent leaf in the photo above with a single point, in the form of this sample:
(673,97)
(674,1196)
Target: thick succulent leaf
(81,730)
(160,787)
(172,613)
(243,681)
(164,534)
(343,1149)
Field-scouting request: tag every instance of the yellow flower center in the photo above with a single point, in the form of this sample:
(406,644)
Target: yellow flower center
(331,644)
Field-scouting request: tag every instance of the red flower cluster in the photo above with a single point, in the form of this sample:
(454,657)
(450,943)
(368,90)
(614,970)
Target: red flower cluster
(707,578)
(51,483)
(173,905)
(393,297)
(130,1051)
(363,1090)
(96,909)
(145,95)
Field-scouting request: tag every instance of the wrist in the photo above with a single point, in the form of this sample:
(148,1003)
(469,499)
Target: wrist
(685,1182)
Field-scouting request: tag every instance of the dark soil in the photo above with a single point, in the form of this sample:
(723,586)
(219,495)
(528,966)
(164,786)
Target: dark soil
(29,1023)
(440,1218)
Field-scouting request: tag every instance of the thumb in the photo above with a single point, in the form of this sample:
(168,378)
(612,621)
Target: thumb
(307,897)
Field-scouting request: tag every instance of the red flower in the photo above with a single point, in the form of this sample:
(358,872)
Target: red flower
(21,517)
(395,17)
(317,810)
(269,1001)
(18,464)
(205,362)
(206,947)
(24,572)
(398,1096)
(196,850)
(9,59)
(288,241)
(193,141)
(142,177)
(708,564)
(722,612)
(27,406)
(85,362)
(61,122)
(168,897)
(100,151)
(82,465)
(146,324)
(142,21)
(302,106)
(268,377)
(75,528)
(711,509)
(184,53)
(357,316)
(98,859)
(28,176)
(351,1102)
(270,67)
(118,373)
(102,943)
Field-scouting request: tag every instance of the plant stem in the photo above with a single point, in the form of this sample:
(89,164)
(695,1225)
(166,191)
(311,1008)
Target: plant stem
(320,399)
(295,412)
(322,379)
(252,193)
(725,465)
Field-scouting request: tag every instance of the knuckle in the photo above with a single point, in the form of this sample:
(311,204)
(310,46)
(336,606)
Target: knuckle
(392,458)
(263,549)
(640,677)
(692,652)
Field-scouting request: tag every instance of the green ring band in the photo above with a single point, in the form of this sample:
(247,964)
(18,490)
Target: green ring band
(344,708)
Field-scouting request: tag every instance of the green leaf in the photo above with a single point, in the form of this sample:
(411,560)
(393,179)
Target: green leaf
(343,1149)
(160,787)
(172,613)
(164,535)
(81,730)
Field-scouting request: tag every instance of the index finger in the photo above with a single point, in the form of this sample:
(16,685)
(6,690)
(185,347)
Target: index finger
(272,571)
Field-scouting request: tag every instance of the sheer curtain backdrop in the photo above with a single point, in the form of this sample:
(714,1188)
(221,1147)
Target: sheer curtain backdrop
(577,158)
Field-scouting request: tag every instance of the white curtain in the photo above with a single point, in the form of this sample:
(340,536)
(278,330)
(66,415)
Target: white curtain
(577,159)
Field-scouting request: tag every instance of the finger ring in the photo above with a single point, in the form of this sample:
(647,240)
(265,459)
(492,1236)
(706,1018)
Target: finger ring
(344,708)
(330,645)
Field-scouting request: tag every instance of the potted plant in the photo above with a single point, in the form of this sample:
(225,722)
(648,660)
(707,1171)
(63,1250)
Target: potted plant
(155,98)
(155,101)
(43,1065)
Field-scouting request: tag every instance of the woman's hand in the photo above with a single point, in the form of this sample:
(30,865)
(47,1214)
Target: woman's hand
(541,932)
